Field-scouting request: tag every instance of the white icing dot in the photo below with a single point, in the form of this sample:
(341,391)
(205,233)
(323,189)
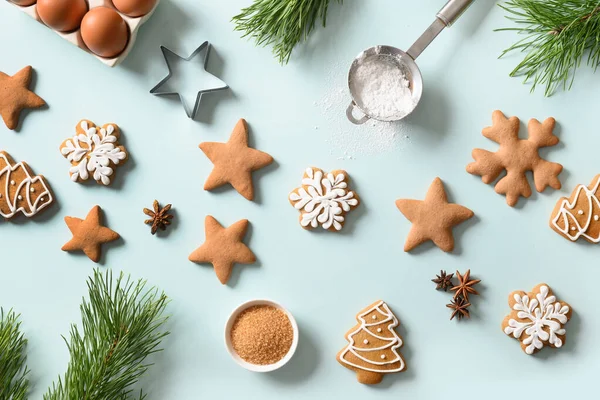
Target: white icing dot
(595,218)
(572,228)
(41,199)
(374,317)
(20,197)
(32,190)
(580,212)
(383,356)
(378,329)
(365,341)
(12,182)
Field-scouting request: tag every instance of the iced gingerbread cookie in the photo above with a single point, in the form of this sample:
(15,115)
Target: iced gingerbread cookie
(536,319)
(93,150)
(579,215)
(373,345)
(20,190)
(517,156)
(323,199)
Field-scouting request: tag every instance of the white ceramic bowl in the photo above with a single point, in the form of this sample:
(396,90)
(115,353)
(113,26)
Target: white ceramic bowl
(254,367)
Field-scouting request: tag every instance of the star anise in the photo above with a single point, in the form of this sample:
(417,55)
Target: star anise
(460,308)
(160,217)
(443,281)
(465,285)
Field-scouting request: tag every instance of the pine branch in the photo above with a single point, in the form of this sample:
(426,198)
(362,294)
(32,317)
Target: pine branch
(14,384)
(122,325)
(558,36)
(281,23)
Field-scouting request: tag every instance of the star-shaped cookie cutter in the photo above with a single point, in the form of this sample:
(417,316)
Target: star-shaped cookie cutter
(190,113)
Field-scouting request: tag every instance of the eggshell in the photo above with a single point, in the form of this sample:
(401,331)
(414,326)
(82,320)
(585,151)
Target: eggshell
(134,8)
(104,32)
(24,3)
(61,15)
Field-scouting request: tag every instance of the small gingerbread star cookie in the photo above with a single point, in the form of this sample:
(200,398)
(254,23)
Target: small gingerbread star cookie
(89,234)
(16,96)
(323,199)
(537,319)
(432,218)
(223,247)
(234,161)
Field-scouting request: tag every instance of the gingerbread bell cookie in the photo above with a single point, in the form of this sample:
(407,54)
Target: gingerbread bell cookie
(223,247)
(234,162)
(94,151)
(324,199)
(432,218)
(373,344)
(517,156)
(579,215)
(20,190)
(537,319)
(89,234)
(15,96)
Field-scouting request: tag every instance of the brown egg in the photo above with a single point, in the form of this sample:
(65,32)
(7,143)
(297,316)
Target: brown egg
(62,15)
(134,8)
(23,3)
(104,32)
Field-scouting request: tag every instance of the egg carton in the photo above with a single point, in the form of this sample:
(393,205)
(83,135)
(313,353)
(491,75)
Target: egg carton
(75,37)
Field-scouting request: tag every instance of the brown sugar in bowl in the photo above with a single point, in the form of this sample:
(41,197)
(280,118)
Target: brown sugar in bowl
(261,335)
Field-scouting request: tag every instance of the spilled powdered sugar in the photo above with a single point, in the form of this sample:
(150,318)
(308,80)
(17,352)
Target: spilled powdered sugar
(345,140)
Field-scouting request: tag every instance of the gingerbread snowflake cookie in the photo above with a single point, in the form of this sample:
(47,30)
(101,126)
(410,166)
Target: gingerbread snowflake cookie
(93,151)
(323,199)
(517,156)
(537,319)
(373,344)
(579,215)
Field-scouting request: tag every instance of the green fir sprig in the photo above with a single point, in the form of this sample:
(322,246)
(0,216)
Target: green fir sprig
(122,324)
(14,384)
(559,35)
(281,23)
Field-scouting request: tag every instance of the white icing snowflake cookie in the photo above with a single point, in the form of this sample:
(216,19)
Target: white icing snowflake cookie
(323,199)
(93,151)
(537,319)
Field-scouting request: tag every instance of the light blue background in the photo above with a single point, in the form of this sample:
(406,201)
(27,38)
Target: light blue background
(296,113)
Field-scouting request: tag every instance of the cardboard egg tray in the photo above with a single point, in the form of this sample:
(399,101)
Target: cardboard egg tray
(75,36)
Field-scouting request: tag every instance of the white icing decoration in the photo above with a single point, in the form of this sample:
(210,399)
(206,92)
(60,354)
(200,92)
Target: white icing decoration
(545,317)
(94,151)
(379,330)
(321,200)
(365,341)
(32,190)
(580,212)
(374,316)
(392,343)
(383,356)
(565,214)
(30,207)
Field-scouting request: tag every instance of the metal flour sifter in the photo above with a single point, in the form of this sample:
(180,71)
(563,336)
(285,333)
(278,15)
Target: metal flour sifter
(405,61)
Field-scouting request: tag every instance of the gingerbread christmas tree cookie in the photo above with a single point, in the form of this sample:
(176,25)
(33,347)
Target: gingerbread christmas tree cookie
(323,199)
(373,345)
(20,190)
(517,156)
(537,319)
(579,215)
(93,151)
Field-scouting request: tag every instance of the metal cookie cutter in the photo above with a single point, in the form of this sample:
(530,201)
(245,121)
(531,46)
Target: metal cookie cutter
(155,89)
(405,61)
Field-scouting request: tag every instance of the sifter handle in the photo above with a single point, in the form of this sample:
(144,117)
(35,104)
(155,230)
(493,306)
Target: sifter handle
(453,10)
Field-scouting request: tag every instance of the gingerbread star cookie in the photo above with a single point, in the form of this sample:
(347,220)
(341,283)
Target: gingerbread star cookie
(579,215)
(537,319)
(432,218)
(223,247)
(89,234)
(16,96)
(234,161)
(517,156)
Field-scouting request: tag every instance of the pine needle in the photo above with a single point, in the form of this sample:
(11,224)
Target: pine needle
(558,36)
(14,384)
(281,23)
(122,324)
